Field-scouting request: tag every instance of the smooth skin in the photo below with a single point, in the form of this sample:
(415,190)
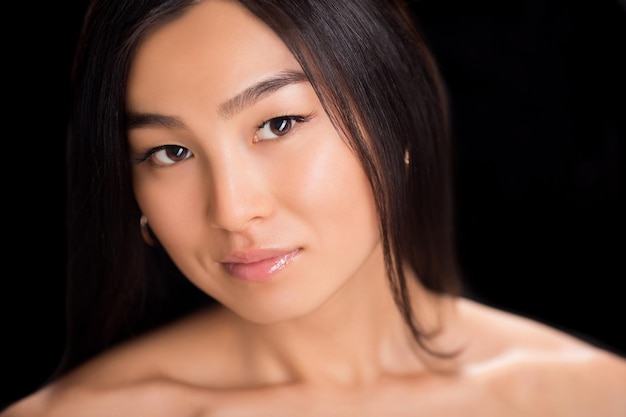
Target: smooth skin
(228,181)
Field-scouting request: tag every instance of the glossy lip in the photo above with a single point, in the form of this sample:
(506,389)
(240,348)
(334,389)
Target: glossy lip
(258,265)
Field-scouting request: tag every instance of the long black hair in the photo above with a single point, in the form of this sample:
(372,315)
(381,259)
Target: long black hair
(378,83)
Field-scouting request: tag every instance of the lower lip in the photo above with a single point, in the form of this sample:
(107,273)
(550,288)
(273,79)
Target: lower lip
(262,270)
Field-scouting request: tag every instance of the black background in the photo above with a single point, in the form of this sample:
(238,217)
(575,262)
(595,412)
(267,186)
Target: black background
(537,94)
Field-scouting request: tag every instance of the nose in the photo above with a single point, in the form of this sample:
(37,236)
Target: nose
(241,194)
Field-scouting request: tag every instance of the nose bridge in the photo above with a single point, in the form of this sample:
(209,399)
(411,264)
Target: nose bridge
(239,194)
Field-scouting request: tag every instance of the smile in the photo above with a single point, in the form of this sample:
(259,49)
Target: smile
(259,266)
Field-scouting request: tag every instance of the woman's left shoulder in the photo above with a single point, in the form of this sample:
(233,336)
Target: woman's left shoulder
(541,367)
(504,330)
(574,381)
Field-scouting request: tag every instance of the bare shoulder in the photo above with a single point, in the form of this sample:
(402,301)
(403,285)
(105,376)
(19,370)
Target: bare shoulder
(534,367)
(153,397)
(156,375)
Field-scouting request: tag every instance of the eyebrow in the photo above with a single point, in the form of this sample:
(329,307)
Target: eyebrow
(227,109)
(259,90)
(143,120)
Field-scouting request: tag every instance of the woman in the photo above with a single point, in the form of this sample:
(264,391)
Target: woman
(290,159)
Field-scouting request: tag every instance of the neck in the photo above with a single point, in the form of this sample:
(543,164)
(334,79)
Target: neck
(358,336)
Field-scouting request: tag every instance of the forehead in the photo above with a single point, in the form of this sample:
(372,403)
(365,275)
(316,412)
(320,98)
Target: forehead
(217,43)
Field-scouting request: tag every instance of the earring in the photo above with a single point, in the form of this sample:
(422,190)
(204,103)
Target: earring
(145,231)
(407,162)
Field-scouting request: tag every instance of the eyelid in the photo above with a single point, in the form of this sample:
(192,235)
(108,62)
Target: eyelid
(144,156)
(295,119)
(149,154)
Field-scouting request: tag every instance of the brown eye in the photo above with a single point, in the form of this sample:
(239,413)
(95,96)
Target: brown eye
(277,127)
(280,126)
(170,154)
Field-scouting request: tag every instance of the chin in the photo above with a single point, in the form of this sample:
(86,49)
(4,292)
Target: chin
(276,310)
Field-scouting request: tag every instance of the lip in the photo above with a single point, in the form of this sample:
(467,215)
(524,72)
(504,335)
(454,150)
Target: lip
(258,265)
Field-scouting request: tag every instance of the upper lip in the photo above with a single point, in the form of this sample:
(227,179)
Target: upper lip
(254,255)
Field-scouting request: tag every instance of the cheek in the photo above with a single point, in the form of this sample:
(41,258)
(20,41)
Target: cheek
(333,190)
(171,206)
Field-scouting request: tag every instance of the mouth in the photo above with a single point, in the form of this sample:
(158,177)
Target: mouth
(258,265)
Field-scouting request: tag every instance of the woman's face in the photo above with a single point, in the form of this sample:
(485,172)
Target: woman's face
(242,176)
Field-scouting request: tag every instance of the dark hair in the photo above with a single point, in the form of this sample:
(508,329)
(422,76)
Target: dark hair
(377,81)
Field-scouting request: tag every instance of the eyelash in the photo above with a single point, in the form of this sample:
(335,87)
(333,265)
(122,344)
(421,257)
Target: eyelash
(151,152)
(294,119)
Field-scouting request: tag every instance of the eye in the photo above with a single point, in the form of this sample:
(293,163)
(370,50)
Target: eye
(166,155)
(277,127)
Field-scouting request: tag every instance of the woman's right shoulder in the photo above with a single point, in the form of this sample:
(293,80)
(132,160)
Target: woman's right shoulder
(153,397)
(161,365)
